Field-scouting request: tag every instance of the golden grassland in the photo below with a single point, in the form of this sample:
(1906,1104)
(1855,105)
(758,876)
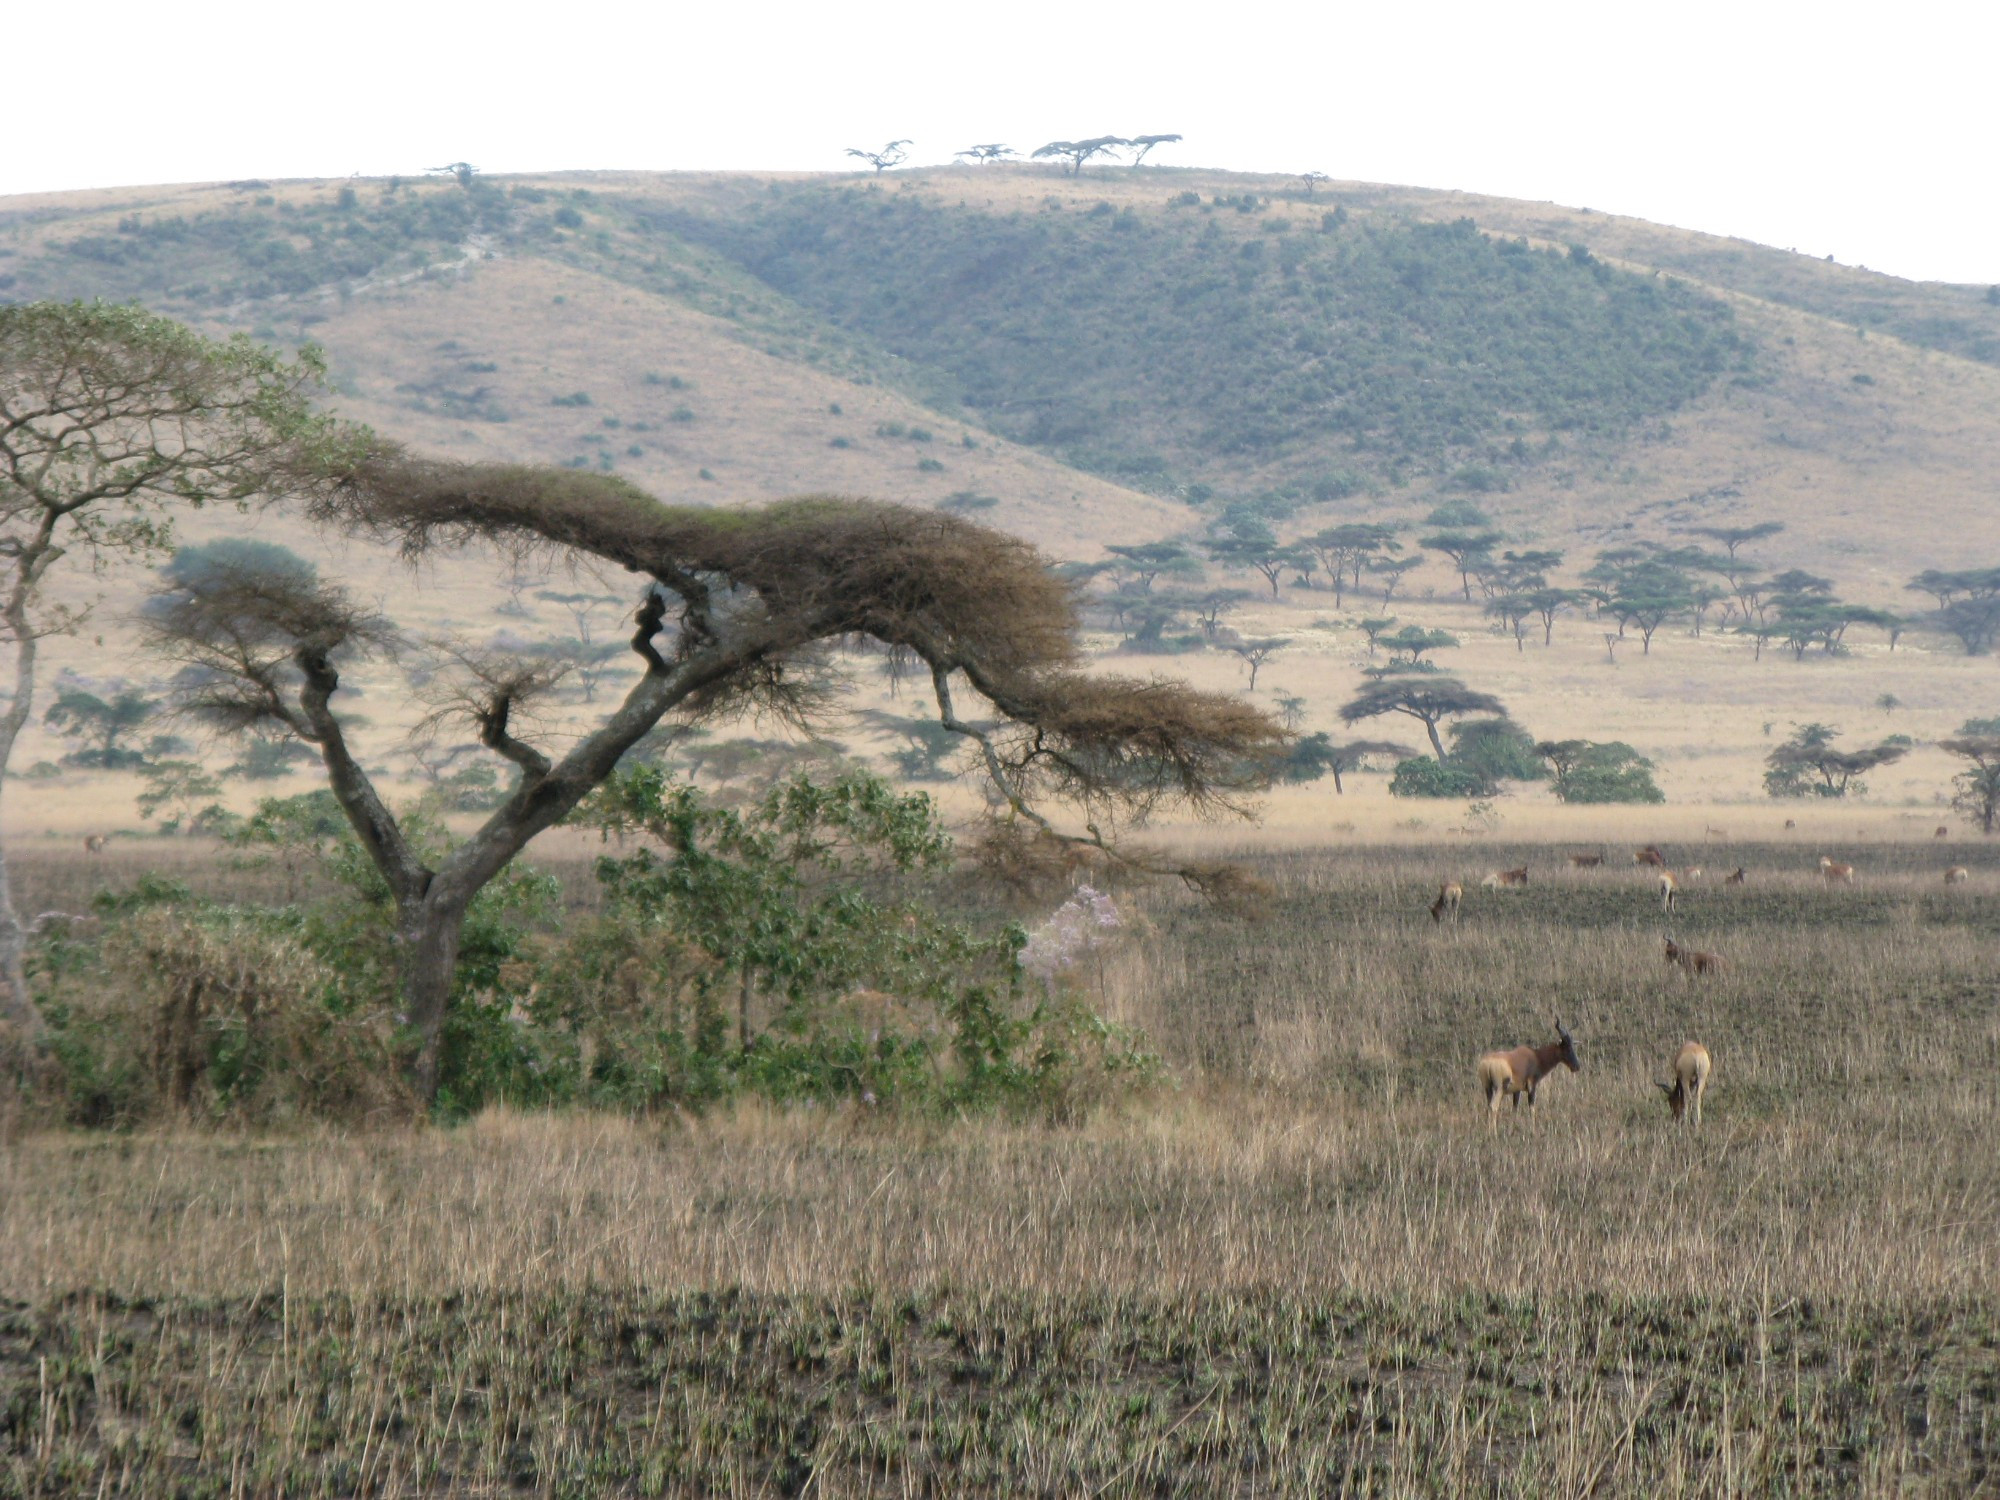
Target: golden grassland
(1302,1264)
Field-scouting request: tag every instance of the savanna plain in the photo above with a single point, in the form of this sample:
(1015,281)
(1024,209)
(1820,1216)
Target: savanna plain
(1296,1260)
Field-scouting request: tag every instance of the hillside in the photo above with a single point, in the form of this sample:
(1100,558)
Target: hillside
(1131,355)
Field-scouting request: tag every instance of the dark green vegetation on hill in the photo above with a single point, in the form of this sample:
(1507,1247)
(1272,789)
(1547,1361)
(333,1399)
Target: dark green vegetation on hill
(1156,347)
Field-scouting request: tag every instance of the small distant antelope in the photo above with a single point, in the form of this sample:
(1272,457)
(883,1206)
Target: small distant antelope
(93,843)
(1505,877)
(1734,878)
(1585,861)
(1521,1070)
(1650,855)
(1791,823)
(1670,891)
(1957,875)
(1942,832)
(1691,1070)
(1692,872)
(1449,895)
(1715,833)
(1835,873)
(1693,961)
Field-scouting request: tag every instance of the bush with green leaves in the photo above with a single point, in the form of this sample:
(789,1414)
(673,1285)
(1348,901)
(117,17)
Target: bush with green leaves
(1587,771)
(1421,776)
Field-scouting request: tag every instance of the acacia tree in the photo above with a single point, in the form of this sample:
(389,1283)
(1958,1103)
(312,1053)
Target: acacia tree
(1809,764)
(110,419)
(991,151)
(1977,798)
(890,155)
(1428,700)
(1254,651)
(1146,143)
(737,612)
(1079,152)
(1344,550)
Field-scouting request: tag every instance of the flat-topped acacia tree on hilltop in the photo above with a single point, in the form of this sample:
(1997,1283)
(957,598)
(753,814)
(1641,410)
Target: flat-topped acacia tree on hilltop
(735,612)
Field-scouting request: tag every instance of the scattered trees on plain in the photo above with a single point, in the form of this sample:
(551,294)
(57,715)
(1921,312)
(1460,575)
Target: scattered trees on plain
(1976,789)
(1810,764)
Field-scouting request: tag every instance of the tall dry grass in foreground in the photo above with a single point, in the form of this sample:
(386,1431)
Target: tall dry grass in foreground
(1306,1268)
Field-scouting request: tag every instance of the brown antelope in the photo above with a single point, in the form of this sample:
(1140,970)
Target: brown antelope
(1585,861)
(1692,961)
(93,843)
(1835,873)
(1736,877)
(1670,892)
(1691,1070)
(1521,1070)
(1449,895)
(1942,832)
(1499,878)
(1650,855)
(1790,824)
(1693,872)
(1957,875)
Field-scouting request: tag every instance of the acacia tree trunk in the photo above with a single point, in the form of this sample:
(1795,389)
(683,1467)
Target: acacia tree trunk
(428,932)
(17,1007)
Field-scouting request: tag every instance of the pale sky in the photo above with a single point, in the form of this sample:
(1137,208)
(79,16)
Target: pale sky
(1863,132)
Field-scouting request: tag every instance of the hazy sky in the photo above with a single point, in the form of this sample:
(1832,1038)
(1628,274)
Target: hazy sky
(1866,133)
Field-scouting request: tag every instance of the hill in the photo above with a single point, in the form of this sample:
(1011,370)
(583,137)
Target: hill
(1128,355)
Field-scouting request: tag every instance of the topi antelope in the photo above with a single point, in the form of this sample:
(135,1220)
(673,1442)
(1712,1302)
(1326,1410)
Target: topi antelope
(1449,895)
(1521,1071)
(1736,877)
(1506,877)
(1692,961)
(1835,873)
(1650,855)
(1691,1070)
(1957,875)
(1585,861)
(93,843)
(1670,892)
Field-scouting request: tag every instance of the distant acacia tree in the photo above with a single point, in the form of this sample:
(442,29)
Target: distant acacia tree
(733,611)
(1076,153)
(1468,550)
(890,155)
(101,723)
(1344,550)
(1146,143)
(1974,621)
(1733,537)
(1252,545)
(1547,604)
(461,172)
(990,152)
(1312,180)
(1391,570)
(1946,585)
(1809,764)
(1254,651)
(1148,560)
(1412,641)
(1429,700)
(1318,755)
(1976,797)
(111,419)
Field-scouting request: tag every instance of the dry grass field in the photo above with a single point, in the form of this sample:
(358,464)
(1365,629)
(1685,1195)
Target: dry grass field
(1301,1265)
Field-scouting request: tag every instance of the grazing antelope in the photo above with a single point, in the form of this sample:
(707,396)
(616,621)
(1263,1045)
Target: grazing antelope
(1692,872)
(1691,1070)
(1692,960)
(1734,878)
(1585,861)
(1670,892)
(1650,855)
(1499,878)
(1957,875)
(1449,895)
(1835,873)
(93,843)
(1942,832)
(1791,823)
(1521,1070)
